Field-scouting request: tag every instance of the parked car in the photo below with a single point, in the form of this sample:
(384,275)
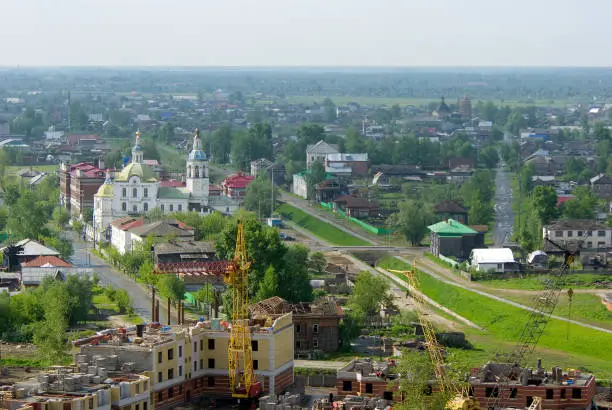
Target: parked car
(286,237)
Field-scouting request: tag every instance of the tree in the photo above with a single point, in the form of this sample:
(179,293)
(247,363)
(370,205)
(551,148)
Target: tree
(294,275)
(417,388)
(63,246)
(61,217)
(545,203)
(412,220)
(581,207)
(270,286)
(220,143)
(50,335)
(28,217)
(355,142)
(124,301)
(489,157)
(601,131)
(317,262)
(258,197)
(315,175)
(329,110)
(171,286)
(369,295)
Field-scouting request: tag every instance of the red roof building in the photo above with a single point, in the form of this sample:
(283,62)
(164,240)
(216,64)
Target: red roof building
(235,185)
(46,261)
(214,190)
(78,185)
(81,139)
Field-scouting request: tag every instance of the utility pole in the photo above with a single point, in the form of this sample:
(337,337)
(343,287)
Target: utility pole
(272,203)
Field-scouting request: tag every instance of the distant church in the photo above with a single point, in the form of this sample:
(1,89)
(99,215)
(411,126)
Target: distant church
(135,190)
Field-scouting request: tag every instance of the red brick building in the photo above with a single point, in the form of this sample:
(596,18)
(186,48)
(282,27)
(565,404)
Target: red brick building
(234,186)
(558,389)
(356,207)
(367,378)
(78,185)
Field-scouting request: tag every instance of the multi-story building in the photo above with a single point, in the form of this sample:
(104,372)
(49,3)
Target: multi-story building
(234,186)
(367,378)
(591,233)
(78,185)
(319,151)
(186,362)
(347,164)
(465,107)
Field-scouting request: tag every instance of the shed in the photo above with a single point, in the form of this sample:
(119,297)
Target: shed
(496,259)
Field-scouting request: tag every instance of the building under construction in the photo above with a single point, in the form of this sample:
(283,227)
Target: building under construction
(177,364)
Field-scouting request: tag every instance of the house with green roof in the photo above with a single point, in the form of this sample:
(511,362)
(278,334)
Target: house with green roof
(327,189)
(453,239)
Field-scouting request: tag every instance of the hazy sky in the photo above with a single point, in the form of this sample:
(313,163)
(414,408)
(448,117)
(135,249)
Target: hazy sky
(306,32)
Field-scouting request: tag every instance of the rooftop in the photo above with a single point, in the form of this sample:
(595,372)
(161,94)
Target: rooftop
(142,171)
(238,180)
(537,376)
(577,225)
(368,369)
(184,247)
(347,157)
(449,207)
(33,248)
(46,261)
(276,306)
(492,255)
(355,202)
(451,227)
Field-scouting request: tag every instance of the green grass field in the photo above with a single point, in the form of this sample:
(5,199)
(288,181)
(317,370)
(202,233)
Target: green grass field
(319,228)
(13,169)
(535,282)
(586,348)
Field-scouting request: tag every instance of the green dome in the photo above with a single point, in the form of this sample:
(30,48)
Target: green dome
(105,190)
(143,171)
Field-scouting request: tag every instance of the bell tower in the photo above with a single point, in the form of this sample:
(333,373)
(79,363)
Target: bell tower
(197,170)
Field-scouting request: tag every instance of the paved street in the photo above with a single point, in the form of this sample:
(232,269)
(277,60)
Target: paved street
(108,275)
(504,217)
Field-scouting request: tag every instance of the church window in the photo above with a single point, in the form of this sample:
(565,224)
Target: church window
(135,208)
(180,207)
(146,192)
(171,207)
(123,206)
(124,192)
(197,172)
(134,192)
(145,207)
(189,175)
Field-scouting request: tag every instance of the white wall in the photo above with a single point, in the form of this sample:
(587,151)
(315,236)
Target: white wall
(300,187)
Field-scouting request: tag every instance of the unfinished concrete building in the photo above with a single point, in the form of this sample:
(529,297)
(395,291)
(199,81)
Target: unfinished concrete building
(69,388)
(571,389)
(316,325)
(368,378)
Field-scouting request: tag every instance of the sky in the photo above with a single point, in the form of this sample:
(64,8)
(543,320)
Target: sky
(305,33)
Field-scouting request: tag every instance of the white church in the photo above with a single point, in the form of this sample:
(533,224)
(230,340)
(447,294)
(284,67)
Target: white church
(135,190)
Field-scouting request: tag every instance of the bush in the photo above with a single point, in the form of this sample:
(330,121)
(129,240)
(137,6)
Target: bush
(124,302)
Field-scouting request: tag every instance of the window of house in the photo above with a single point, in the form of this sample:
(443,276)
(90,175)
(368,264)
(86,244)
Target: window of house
(160,377)
(180,207)
(315,328)
(563,393)
(170,374)
(580,233)
(513,393)
(550,394)
(135,208)
(211,382)
(145,207)
(162,207)
(180,371)
(124,192)
(254,345)
(369,388)
(211,363)
(201,363)
(180,351)
(180,388)
(255,364)
(170,354)
(499,266)
(145,192)
(144,405)
(297,344)
(134,192)
(195,365)
(347,385)
(123,206)
(570,234)
(601,233)
(170,393)
(576,393)
(171,207)
(211,344)
(195,346)
(201,345)
(491,392)
(558,234)
(388,395)
(589,233)
(298,328)
(529,400)
(137,407)
(160,396)
(315,343)
(160,357)
(91,403)
(589,244)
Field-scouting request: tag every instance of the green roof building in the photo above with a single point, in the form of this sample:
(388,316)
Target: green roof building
(453,239)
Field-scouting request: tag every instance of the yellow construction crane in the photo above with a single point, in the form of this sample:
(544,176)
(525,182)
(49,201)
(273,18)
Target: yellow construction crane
(240,354)
(461,399)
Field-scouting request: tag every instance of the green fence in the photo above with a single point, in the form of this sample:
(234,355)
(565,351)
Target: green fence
(366,226)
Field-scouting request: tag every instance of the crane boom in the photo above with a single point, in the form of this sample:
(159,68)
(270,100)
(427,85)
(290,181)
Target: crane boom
(539,316)
(240,353)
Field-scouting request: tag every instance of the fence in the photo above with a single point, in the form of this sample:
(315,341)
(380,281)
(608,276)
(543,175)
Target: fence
(364,225)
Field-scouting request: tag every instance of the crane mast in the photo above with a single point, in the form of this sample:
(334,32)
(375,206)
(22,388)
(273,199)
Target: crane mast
(240,353)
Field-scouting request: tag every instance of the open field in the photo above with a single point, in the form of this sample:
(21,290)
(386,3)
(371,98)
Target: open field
(586,347)
(368,100)
(319,228)
(50,168)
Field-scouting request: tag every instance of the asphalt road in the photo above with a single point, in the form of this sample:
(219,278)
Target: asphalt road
(108,275)
(504,217)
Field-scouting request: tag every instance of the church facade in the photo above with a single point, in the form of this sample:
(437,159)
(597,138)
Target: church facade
(135,190)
